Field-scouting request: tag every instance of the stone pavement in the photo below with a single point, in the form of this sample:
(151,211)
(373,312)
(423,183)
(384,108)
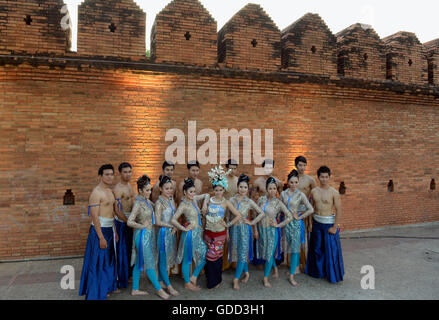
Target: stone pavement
(405,261)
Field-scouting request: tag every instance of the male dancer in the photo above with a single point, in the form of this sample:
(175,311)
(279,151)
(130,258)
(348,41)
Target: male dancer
(193,172)
(168,170)
(232,179)
(306,184)
(259,190)
(124,194)
(99,274)
(259,184)
(325,259)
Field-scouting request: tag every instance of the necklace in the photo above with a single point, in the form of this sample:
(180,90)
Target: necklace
(214,202)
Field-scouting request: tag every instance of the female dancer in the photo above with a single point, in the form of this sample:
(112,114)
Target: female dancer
(145,250)
(295,230)
(166,238)
(241,235)
(215,232)
(191,244)
(269,230)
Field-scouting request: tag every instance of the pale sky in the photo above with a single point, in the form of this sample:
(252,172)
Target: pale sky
(385,16)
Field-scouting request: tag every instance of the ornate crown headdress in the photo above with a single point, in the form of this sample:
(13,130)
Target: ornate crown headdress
(217,176)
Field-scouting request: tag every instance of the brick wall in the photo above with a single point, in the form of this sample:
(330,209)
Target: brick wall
(111,28)
(64,115)
(361,53)
(184,32)
(406,58)
(32,26)
(250,40)
(432,49)
(308,46)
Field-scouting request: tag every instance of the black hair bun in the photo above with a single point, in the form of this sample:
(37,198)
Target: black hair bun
(143,178)
(243,177)
(164,179)
(143,181)
(293,173)
(270,180)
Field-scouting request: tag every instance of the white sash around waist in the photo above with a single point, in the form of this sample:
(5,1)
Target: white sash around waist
(105,222)
(324,219)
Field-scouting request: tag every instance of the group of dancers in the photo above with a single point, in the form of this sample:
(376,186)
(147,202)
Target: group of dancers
(165,226)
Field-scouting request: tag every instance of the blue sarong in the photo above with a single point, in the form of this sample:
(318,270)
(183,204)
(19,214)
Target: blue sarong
(325,259)
(99,275)
(123,248)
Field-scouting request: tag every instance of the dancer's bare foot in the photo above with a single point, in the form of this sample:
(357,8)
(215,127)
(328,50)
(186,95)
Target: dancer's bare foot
(266,283)
(293,282)
(172,291)
(298,271)
(236,284)
(138,293)
(162,294)
(115,291)
(191,286)
(193,280)
(276,273)
(247,276)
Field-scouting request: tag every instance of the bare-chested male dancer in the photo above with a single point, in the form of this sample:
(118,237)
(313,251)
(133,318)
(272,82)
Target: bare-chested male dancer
(124,194)
(193,168)
(259,189)
(325,259)
(99,274)
(306,184)
(168,170)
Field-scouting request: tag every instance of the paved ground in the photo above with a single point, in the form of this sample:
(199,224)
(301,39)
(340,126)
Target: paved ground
(406,267)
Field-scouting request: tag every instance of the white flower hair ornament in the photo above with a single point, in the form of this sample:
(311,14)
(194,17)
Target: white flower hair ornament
(217,177)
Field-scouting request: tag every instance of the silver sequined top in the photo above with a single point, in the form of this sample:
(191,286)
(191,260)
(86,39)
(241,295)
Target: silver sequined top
(141,215)
(167,209)
(272,209)
(244,208)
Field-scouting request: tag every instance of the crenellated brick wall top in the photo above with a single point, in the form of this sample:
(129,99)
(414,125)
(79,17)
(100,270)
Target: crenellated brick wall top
(185,33)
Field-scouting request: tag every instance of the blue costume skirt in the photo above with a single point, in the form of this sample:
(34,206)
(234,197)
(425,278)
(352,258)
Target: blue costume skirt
(325,258)
(123,248)
(99,275)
